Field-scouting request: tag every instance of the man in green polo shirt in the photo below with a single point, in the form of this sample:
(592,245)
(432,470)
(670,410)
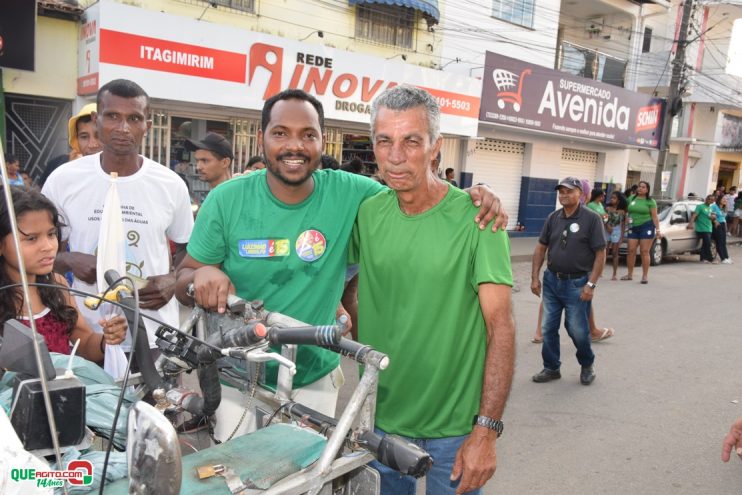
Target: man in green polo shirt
(445,321)
(702,220)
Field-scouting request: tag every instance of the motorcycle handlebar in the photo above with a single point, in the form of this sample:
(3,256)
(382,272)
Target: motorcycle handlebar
(324,335)
(398,454)
(362,353)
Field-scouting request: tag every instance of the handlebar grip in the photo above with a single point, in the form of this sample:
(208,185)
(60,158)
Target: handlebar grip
(398,454)
(324,335)
(364,354)
(111,276)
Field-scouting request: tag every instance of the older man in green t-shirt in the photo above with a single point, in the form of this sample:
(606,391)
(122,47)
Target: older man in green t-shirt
(702,221)
(444,319)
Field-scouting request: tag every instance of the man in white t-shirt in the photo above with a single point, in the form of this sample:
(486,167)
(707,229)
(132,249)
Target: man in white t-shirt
(155,205)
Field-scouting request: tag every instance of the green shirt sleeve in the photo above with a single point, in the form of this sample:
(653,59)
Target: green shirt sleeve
(492,259)
(207,244)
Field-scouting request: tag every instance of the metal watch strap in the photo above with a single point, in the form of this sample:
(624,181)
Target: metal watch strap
(591,285)
(490,423)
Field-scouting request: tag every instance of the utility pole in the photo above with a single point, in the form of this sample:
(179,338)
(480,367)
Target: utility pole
(674,103)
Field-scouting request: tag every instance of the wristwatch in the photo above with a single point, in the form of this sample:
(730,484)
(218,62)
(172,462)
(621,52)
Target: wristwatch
(493,424)
(591,285)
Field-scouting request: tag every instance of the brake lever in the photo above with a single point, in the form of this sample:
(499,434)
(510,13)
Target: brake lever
(259,356)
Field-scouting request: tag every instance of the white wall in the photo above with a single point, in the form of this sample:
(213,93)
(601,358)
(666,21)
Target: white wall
(705,123)
(468,30)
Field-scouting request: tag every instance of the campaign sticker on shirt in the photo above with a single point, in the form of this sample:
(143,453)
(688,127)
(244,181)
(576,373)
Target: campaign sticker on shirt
(310,245)
(263,248)
(574,228)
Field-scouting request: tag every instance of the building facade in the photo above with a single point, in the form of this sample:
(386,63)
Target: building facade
(573,54)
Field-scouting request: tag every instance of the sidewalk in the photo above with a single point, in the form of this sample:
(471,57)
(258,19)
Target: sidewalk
(521,248)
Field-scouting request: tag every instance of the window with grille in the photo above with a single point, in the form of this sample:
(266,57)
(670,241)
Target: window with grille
(516,11)
(387,24)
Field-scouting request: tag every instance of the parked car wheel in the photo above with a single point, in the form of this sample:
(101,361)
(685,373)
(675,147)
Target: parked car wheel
(656,253)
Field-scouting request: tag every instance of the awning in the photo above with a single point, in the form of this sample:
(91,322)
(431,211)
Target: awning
(429,8)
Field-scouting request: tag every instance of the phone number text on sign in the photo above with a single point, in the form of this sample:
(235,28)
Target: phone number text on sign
(444,103)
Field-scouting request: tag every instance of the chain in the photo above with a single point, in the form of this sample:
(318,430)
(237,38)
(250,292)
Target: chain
(249,402)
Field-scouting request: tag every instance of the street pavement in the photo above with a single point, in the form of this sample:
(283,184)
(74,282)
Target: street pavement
(665,395)
(667,390)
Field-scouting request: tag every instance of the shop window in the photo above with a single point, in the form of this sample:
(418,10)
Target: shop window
(518,12)
(387,24)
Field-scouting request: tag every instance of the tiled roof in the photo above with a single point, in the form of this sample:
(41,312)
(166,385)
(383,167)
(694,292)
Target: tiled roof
(64,9)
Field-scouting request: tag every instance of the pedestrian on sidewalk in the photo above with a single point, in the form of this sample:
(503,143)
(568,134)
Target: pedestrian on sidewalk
(644,227)
(616,225)
(720,229)
(597,196)
(573,238)
(729,212)
(701,222)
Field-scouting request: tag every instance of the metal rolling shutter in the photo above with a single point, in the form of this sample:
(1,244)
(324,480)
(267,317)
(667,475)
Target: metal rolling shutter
(578,163)
(500,164)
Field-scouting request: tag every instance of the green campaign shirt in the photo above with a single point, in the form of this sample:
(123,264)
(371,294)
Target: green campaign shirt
(293,257)
(418,303)
(639,210)
(703,218)
(597,208)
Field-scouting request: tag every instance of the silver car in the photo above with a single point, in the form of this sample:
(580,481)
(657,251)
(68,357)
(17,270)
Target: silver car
(676,237)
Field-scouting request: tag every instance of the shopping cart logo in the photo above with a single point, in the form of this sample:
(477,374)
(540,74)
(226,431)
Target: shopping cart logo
(509,87)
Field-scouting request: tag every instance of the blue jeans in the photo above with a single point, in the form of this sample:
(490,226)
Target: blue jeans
(705,246)
(437,481)
(564,295)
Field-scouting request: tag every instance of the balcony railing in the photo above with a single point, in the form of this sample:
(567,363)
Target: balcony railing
(592,64)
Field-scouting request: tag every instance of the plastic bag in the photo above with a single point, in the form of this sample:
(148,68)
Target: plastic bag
(111,256)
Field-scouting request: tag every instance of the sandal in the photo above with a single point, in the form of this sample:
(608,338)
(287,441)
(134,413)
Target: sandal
(607,334)
(626,277)
(536,340)
(645,281)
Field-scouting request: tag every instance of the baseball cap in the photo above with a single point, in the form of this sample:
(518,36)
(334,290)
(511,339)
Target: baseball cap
(72,124)
(570,183)
(211,142)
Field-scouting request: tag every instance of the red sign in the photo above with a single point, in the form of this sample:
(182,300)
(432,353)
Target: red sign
(168,56)
(87,85)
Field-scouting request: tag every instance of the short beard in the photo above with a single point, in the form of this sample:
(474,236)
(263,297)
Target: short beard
(275,172)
